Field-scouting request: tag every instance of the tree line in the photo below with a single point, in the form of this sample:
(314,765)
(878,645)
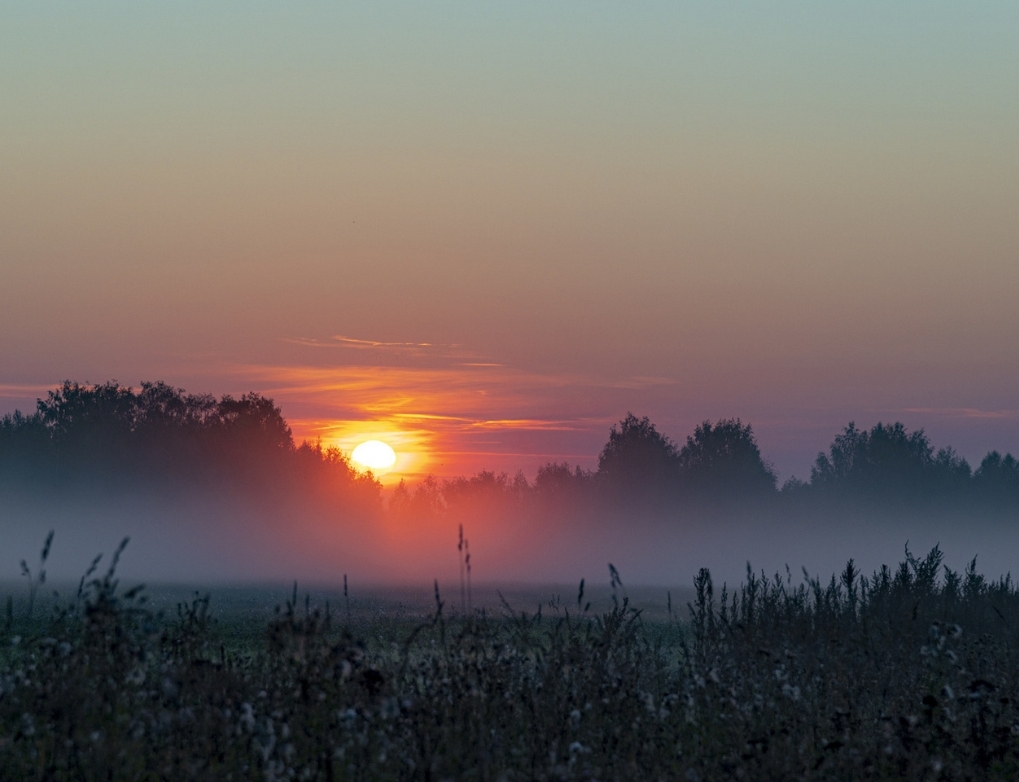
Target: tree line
(104,437)
(722,460)
(720,464)
(107,436)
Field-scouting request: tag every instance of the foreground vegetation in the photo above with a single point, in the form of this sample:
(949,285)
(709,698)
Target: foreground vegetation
(905,674)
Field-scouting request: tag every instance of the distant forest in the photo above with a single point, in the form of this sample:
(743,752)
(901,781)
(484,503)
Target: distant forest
(105,438)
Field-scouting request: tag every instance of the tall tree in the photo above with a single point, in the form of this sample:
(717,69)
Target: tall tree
(997,478)
(637,459)
(724,460)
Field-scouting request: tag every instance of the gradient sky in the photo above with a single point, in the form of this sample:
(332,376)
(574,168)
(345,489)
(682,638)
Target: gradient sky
(488,230)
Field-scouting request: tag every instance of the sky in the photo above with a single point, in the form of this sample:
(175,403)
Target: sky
(484,232)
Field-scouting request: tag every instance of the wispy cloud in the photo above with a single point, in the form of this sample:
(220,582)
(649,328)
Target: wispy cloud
(24,390)
(542,425)
(459,416)
(965,412)
(384,351)
(373,343)
(351,343)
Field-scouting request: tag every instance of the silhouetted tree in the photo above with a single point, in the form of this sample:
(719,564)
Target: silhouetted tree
(97,415)
(836,468)
(637,461)
(328,474)
(997,478)
(724,461)
(484,494)
(558,480)
(400,501)
(951,474)
(25,448)
(106,435)
(793,486)
(563,489)
(888,462)
(426,502)
(162,407)
(254,421)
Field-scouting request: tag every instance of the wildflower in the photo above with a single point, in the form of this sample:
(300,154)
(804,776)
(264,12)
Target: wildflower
(268,745)
(169,687)
(247,718)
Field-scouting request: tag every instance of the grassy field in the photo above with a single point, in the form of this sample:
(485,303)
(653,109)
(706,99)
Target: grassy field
(911,673)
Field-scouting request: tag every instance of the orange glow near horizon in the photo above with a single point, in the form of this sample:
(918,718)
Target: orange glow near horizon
(411,447)
(446,420)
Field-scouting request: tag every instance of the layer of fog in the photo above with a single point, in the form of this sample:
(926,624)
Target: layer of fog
(203,540)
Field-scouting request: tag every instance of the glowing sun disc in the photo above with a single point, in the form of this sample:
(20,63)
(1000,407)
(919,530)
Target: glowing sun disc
(375,455)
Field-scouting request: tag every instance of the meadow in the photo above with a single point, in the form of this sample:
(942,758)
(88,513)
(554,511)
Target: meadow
(905,673)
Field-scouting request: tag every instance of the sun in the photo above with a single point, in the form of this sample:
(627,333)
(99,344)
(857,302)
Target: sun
(374,455)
